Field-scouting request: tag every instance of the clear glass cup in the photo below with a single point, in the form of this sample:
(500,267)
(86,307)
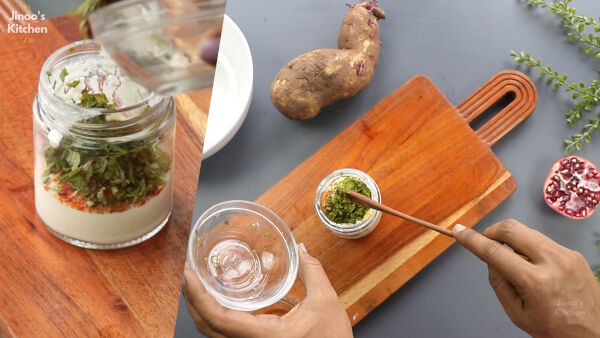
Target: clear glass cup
(162,44)
(244,254)
(360,228)
(103,176)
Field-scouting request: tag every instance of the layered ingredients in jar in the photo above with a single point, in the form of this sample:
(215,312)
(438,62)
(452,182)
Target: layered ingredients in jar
(103,169)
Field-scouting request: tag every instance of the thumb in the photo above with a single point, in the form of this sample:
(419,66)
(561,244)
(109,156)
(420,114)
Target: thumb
(313,276)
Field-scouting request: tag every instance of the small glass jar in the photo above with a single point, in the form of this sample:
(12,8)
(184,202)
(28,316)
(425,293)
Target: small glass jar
(245,256)
(360,228)
(103,147)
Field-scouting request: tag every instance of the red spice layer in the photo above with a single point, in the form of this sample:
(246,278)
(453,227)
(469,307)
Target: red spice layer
(68,196)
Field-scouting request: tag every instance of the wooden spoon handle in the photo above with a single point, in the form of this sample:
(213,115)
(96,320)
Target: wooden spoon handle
(363,200)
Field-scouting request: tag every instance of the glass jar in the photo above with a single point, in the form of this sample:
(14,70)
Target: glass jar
(168,46)
(103,147)
(362,227)
(245,256)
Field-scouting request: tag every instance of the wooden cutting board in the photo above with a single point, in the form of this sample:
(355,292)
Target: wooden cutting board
(49,288)
(427,161)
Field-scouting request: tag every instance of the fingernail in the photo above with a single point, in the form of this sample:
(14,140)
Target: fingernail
(302,247)
(458,228)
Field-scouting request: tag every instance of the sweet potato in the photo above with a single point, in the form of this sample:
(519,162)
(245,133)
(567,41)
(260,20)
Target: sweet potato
(319,78)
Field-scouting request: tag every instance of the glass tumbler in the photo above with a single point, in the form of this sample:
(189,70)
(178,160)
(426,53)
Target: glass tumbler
(162,44)
(244,254)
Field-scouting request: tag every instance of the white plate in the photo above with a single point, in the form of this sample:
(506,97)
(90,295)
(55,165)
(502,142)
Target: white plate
(232,89)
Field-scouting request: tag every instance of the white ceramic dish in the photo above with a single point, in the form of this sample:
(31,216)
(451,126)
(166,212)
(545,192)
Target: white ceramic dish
(232,89)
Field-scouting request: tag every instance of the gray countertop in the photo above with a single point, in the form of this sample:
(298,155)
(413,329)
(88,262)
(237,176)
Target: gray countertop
(459,45)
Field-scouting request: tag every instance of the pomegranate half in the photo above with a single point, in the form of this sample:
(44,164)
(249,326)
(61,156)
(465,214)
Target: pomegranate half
(572,187)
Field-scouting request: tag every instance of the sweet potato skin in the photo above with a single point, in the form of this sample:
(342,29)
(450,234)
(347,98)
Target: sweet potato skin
(319,78)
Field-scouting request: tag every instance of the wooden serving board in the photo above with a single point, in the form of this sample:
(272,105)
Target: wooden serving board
(49,288)
(427,161)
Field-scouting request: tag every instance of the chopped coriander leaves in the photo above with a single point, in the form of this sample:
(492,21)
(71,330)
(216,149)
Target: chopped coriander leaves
(339,208)
(73,84)
(118,175)
(95,100)
(63,73)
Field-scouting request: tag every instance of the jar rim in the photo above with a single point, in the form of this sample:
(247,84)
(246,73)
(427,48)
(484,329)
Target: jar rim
(71,49)
(359,226)
(51,107)
(261,211)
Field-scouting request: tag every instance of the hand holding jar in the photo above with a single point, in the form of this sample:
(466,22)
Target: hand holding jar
(320,314)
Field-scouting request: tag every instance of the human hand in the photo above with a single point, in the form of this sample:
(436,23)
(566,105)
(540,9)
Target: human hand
(547,290)
(320,314)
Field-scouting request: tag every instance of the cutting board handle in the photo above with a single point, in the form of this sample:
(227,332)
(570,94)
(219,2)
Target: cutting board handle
(501,84)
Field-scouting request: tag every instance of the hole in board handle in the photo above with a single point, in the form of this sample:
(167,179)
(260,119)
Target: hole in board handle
(492,110)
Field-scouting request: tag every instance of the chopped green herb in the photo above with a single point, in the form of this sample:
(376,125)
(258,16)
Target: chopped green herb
(95,100)
(63,73)
(213,260)
(117,175)
(267,233)
(71,50)
(339,208)
(146,108)
(73,84)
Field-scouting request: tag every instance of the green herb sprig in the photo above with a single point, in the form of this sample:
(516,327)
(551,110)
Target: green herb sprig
(575,24)
(589,96)
(585,97)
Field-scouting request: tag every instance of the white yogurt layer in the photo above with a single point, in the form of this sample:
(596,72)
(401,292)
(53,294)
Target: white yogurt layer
(103,228)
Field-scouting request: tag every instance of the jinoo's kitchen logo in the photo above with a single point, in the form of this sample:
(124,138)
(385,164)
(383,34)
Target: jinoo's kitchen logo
(20,23)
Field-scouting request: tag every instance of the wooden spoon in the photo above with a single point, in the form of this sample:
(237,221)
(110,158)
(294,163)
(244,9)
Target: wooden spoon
(367,202)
